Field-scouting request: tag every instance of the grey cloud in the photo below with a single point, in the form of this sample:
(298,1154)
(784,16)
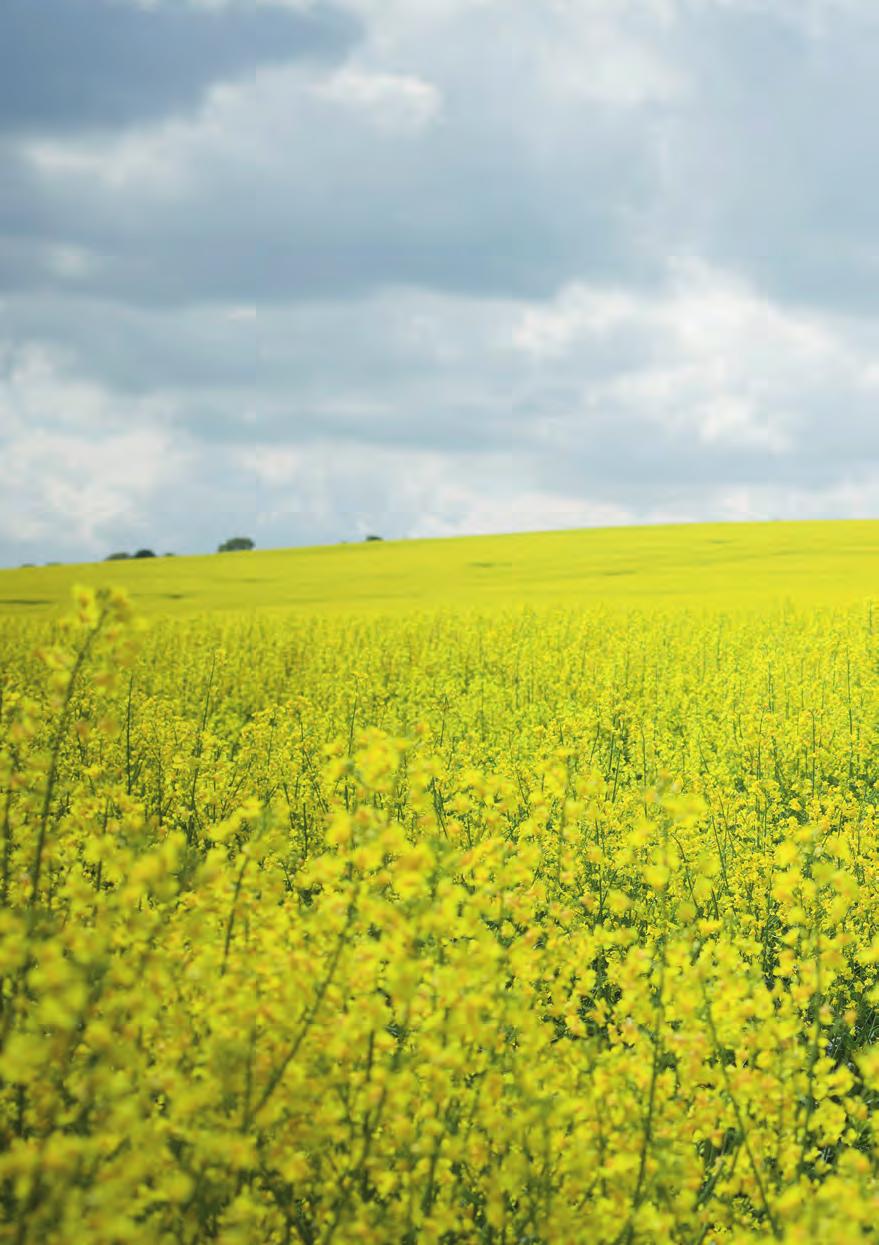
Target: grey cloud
(72,64)
(762,161)
(285,193)
(622,411)
(527,265)
(775,171)
(330,224)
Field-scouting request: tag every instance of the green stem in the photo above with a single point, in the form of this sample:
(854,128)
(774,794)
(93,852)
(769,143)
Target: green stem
(740,1119)
(81,658)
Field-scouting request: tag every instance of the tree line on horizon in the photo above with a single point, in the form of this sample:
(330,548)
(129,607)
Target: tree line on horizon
(235,544)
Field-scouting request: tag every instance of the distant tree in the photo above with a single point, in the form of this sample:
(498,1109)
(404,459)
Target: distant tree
(235,545)
(117,557)
(372,537)
(169,555)
(144,553)
(26,565)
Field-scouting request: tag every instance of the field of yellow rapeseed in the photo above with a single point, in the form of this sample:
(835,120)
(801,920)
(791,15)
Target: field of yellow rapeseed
(714,565)
(503,923)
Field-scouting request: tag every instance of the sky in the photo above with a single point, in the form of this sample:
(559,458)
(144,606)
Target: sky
(304,270)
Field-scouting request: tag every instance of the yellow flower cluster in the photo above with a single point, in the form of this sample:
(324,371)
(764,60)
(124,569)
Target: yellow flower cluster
(536,927)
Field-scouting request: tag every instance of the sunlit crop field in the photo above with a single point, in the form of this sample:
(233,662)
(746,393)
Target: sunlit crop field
(719,566)
(464,905)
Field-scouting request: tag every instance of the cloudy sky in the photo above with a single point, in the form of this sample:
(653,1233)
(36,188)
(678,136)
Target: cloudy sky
(304,270)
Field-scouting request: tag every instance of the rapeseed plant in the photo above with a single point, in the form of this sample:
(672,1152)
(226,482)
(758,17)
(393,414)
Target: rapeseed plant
(540,926)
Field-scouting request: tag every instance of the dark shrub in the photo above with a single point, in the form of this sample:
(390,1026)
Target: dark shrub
(236,544)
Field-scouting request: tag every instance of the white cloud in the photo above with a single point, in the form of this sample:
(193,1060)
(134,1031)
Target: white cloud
(714,358)
(36,389)
(119,163)
(412,492)
(78,492)
(855,496)
(395,102)
(551,330)
(273,465)
(457,511)
(74,468)
(603,58)
(254,126)
(451,414)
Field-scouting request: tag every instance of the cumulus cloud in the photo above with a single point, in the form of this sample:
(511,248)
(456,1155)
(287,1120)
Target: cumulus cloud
(71,491)
(424,268)
(454,414)
(389,101)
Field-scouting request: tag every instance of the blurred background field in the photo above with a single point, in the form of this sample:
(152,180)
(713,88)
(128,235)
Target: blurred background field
(745,565)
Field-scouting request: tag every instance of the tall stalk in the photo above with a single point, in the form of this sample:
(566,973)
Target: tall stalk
(55,752)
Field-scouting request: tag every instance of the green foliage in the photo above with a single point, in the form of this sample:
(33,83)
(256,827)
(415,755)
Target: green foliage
(236,544)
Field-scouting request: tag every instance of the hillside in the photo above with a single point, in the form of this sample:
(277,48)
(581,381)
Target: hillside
(746,565)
